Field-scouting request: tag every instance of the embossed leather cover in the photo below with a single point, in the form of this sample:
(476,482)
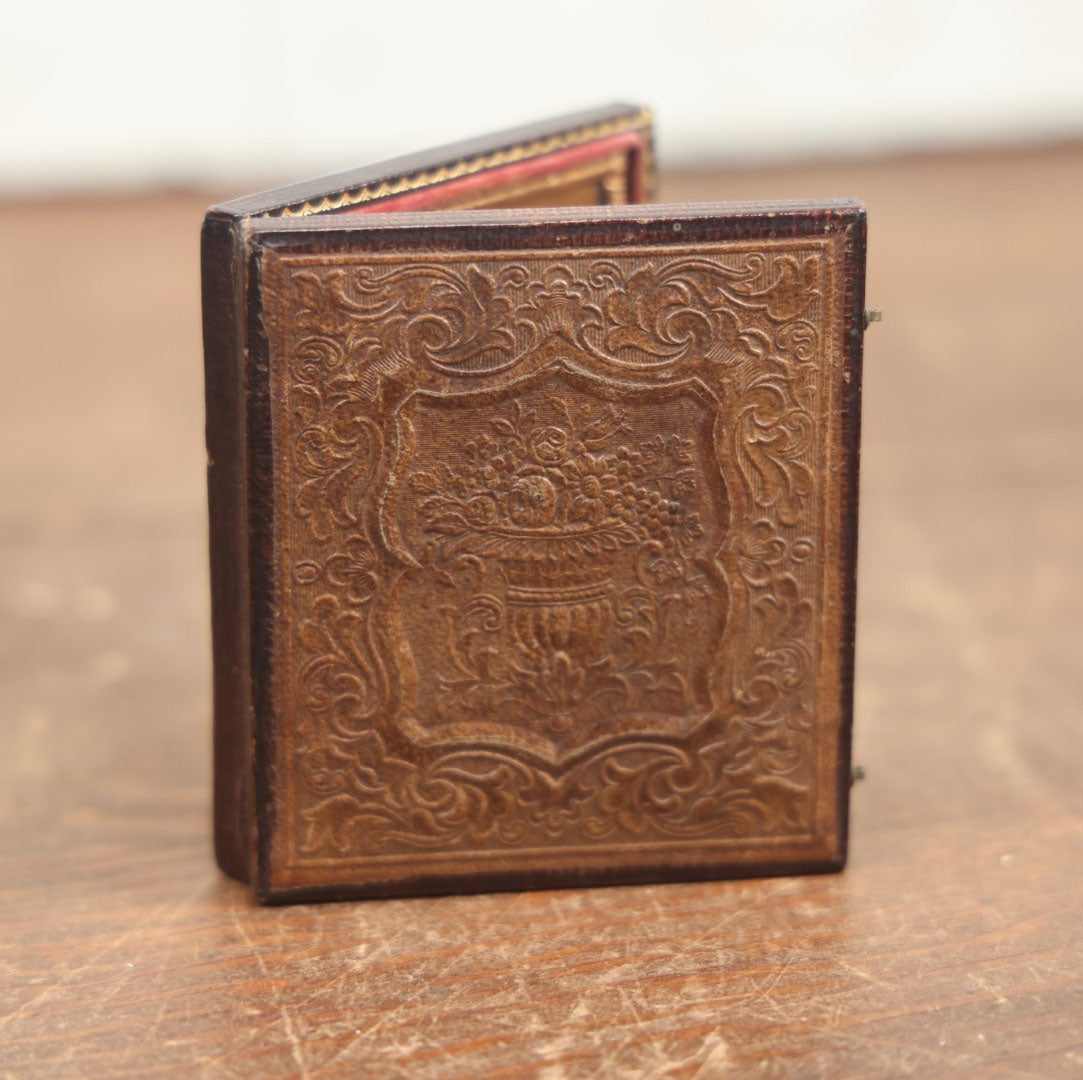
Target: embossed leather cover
(552,522)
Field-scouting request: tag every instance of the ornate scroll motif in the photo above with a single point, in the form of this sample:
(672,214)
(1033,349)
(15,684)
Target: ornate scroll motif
(553,553)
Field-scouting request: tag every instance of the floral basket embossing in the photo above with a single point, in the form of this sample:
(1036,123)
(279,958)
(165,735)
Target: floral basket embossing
(563,509)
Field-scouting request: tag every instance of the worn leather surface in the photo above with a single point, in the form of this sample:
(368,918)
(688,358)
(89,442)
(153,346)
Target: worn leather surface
(552,547)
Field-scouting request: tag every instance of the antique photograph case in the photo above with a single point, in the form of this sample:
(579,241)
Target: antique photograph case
(533,523)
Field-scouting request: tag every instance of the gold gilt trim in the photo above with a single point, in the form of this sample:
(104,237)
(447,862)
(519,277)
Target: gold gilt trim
(469,166)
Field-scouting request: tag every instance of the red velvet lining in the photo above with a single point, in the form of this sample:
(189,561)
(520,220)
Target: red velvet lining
(438,194)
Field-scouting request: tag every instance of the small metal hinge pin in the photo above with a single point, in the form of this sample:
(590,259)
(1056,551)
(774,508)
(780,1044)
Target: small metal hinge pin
(857,773)
(873,315)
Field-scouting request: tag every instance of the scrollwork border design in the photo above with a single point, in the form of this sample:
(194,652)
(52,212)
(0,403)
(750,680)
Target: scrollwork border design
(359,335)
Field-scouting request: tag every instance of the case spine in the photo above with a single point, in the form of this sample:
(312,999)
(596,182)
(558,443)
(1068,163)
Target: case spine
(223,352)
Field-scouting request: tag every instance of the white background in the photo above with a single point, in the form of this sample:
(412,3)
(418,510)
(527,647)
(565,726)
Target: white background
(134,93)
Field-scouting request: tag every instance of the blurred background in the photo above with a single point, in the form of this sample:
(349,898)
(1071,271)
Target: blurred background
(961,126)
(124,95)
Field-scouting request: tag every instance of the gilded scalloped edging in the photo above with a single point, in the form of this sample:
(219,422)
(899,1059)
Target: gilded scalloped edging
(469,166)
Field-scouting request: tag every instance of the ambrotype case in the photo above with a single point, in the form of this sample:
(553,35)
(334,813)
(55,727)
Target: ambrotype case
(532,530)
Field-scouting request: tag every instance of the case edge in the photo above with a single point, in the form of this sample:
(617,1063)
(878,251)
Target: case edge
(224,382)
(433,167)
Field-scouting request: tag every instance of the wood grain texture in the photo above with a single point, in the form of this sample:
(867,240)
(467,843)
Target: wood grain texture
(951,946)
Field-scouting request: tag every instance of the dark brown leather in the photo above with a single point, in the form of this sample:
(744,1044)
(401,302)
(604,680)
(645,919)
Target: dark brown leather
(226,469)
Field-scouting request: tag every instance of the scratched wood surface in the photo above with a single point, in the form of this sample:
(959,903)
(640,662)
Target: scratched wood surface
(952,946)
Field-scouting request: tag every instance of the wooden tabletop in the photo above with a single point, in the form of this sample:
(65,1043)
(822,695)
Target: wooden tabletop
(953,944)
